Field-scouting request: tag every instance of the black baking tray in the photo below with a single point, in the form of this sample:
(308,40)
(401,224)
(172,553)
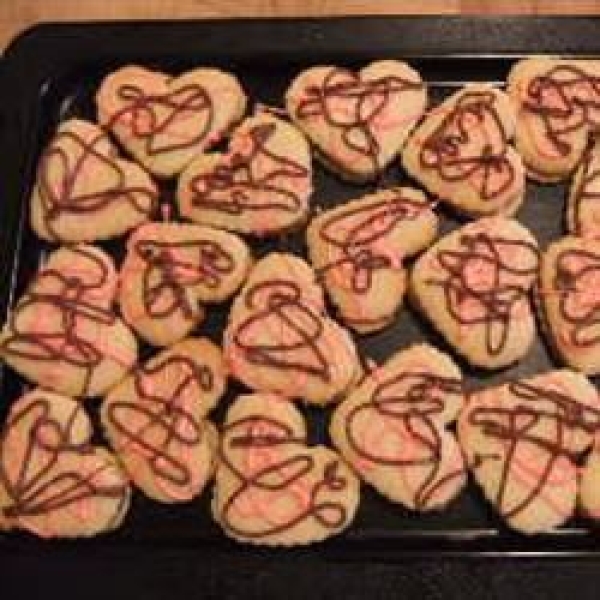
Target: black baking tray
(52,71)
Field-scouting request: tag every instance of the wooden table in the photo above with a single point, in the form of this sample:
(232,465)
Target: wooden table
(16,15)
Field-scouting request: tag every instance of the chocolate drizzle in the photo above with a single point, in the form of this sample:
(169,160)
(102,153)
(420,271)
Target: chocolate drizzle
(45,487)
(62,198)
(456,153)
(565,99)
(356,231)
(415,409)
(56,338)
(173,267)
(238,186)
(164,416)
(258,432)
(542,418)
(149,116)
(364,101)
(278,309)
(569,282)
(505,284)
(584,193)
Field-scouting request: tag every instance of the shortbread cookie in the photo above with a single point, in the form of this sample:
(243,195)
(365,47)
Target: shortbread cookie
(589,485)
(260,186)
(473,285)
(358,250)
(63,332)
(393,429)
(279,338)
(521,441)
(462,153)
(164,121)
(583,204)
(358,121)
(84,191)
(558,106)
(569,294)
(271,487)
(53,481)
(171,270)
(156,420)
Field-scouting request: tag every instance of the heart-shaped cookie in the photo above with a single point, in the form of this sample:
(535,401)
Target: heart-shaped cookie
(521,441)
(569,294)
(271,487)
(260,186)
(53,481)
(473,285)
(155,420)
(63,332)
(164,121)
(279,338)
(84,191)
(393,429)
(557,102)
(170,270)
(461,153)
(358,121)
(358,251)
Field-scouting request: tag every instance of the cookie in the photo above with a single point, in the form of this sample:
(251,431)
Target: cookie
(358,121)
(280,339)
(171,270)
(583,204)
(473,286)
(392,429)
(53,481)
(165,121)
(63,332)
(568,294)
(589,485)
(84,191)
(358,250)
(156,421)
(271,487)
(521,441)
(462,153)
(557,106)
(260,186)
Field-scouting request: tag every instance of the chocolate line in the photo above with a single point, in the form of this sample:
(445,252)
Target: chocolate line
(447,151)
(232,188)
(497,300)
(278,476)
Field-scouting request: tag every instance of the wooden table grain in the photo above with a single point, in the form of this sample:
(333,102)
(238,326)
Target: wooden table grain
(16,15)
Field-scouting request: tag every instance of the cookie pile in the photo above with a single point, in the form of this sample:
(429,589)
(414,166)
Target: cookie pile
(408,427)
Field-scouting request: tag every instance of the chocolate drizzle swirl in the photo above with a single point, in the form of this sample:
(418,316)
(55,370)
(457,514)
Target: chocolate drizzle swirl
(149,116)
(565,99)
(569,283)
(542,418)
(584,193)
(364,102)
(42,488)
(167,423)
(506,283)
(69,305)
(62,198)
(356,231)
(238,186)
(415,409)
(454,151)
(280,302)
(173,267)
(257,432)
